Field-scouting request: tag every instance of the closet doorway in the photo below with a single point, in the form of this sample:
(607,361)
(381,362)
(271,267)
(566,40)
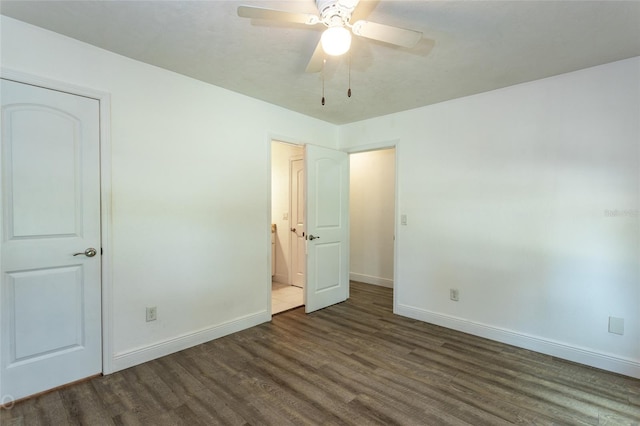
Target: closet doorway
(372,206)
(288,227)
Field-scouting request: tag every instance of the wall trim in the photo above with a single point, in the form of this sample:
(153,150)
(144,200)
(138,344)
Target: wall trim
(376,146)
(104,99)
(370,279)
(147,353)
(588,357)
(280,278)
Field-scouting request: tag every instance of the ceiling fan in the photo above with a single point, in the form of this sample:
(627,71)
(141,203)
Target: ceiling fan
(336,38)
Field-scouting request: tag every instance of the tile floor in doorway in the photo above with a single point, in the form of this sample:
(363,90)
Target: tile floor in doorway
(285,297)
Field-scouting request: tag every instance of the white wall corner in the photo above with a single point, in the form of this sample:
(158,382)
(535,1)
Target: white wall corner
(603,361)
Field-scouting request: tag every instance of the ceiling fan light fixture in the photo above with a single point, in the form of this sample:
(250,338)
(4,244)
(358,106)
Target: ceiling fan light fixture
(336,41)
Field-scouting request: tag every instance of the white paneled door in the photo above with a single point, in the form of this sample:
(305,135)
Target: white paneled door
(327,227)
(50,300)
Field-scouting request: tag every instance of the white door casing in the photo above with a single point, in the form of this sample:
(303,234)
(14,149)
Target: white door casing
(50,300)
(297,199)
(327,192)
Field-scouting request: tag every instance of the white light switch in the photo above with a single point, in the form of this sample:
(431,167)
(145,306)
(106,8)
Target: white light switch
(403,219)
(285,216)
(616,325)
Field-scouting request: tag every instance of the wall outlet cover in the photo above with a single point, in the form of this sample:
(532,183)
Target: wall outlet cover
(616,325)
(152,314)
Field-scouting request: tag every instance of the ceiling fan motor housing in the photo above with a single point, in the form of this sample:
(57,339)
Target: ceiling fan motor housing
(336,12)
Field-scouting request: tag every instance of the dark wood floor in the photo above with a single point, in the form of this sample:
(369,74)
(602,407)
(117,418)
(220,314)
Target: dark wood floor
(353,363)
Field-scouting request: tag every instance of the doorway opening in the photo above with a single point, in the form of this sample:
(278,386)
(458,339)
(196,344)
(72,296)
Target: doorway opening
(321,244)
(288,232)
(372,216)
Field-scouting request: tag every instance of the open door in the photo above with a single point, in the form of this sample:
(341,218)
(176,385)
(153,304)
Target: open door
(327,227)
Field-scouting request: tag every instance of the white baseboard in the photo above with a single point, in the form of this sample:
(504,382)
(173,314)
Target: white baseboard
(369,279)
(137,356)
(280,278)
(603,361)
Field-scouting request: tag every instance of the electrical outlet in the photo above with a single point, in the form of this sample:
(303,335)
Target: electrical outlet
(152,314)
(454,295)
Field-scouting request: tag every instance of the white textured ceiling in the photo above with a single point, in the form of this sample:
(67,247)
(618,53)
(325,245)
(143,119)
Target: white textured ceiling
(468,47)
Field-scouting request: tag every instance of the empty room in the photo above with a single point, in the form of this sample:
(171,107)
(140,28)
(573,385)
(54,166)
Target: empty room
(453,196)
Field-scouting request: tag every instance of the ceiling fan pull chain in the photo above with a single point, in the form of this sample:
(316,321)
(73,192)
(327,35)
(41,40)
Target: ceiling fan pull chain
(349,91)
(323,62)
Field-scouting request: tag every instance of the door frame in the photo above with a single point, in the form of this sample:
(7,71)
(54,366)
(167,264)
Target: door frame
(106,261)
(291,234)
(395,144)
(392,144)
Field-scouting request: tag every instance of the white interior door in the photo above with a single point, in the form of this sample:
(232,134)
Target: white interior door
(50,307)
(327,227)
(298,256)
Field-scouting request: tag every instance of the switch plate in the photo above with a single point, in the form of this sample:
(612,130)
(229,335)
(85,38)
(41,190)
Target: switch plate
(152,314)
(616,325)
(285,216)
(403,219)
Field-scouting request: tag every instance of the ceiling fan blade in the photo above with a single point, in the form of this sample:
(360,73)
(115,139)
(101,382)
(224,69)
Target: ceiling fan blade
(317,60)
(364,9)
(387,33)
(277,15)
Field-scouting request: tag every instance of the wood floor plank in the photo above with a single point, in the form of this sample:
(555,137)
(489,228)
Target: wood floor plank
(212,410)
(355,363)
(84,406)
(48,409)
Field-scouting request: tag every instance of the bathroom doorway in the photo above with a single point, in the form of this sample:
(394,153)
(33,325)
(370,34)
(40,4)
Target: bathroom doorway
(287,228)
